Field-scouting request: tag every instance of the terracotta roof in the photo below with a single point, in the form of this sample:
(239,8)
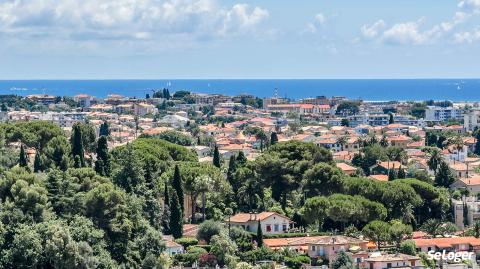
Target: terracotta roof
(346,167)
(245,217)
(447,242)
(379,177)
(391,257)
(390,165)
(471,181)
(458,166)
(190,230)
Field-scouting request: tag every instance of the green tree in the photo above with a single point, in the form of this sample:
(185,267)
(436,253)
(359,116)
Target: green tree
(224,249)
(102,164)
(104,129)
(176,219)
(259,237)
(399,231)
(273,138)
(23,159)
(444,176)
(315,209)
(130,176)
(390,119)
(77,147)
(37,163)
(216,157)
(208,229)
(477,143)
(378,231)
(408,247)
(342,261)
(177,185)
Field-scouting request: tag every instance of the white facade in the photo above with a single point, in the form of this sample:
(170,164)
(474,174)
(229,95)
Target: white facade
(435,113)
(471,120)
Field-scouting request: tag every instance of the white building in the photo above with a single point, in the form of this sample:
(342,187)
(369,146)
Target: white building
(83,99)
(439,114)
(174,120)
(270,222)
(471,120)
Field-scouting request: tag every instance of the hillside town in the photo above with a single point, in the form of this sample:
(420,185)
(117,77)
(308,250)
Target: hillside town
(323,182)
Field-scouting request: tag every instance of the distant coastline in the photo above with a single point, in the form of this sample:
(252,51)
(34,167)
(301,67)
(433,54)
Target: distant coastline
(467,90)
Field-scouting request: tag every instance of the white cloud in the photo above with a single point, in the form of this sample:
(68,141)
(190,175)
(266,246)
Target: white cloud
(126,19)
(467,37)
(469,4)
(372,31)
(318,22)
(405,33)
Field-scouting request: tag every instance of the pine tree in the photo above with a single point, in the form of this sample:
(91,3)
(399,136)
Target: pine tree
(77,147)
(102,165)
(176,223)
(216,157)
(104,129)
(23,159)
(259,235)
(37,163)
(273,138)
(177,186)
(391,120)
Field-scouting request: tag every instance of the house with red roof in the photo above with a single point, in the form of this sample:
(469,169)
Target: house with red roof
(270,222)
(455,244)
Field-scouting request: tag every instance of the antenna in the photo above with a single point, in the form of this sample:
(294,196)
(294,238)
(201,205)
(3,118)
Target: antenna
(275,93)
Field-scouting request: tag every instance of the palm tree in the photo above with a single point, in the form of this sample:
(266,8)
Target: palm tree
(202,186)
(342,141)
(435,159)
(457,142)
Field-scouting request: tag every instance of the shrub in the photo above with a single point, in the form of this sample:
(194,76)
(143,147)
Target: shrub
(187,241)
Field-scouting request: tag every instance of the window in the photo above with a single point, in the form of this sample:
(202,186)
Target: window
(389,265)
(276,227)
(313,248)
(284,227)
(269,228)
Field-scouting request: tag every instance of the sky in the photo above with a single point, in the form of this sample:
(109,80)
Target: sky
(182,39)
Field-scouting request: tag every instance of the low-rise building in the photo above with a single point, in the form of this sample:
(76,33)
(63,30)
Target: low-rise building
(270,222)
(384,261)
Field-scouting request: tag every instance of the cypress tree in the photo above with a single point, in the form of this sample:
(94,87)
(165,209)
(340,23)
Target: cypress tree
(37,163)
(401,173)
(77,147)
(102,165)
(273,138)
(177,186)
(176,223)
(166,196)
(216,157)
(104,129)
(232,166)
(391,120)
(241,159)
(392,175)
(477,144)
(23,159)
(259,235)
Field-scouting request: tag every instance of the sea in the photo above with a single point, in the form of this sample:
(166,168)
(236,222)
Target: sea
(366,89)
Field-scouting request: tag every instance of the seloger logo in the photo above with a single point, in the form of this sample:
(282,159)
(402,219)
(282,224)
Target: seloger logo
(452,256)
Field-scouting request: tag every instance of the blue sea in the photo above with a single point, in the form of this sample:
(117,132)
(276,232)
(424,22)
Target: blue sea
(366,89)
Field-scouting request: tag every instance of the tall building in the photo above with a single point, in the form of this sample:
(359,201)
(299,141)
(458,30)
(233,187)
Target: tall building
(471,120)
(439,114)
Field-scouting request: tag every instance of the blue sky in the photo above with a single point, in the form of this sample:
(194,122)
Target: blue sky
(101,39)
